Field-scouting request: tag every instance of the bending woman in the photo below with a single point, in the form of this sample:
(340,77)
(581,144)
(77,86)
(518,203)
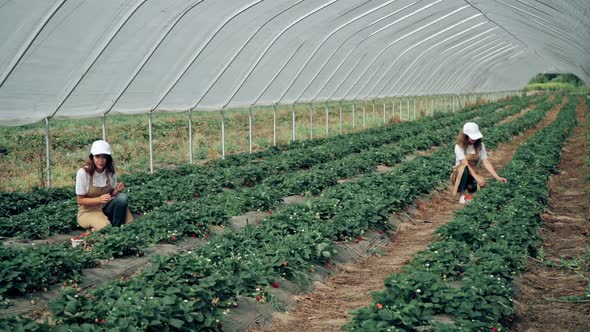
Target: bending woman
(469,151)
(100,200)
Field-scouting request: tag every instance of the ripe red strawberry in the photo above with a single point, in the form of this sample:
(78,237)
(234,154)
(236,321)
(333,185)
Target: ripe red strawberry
(379,306)
(275,285)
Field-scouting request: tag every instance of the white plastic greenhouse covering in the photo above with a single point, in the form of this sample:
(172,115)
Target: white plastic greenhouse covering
(88,58)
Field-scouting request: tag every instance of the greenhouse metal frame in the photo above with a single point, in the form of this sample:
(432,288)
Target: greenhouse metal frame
(84,59)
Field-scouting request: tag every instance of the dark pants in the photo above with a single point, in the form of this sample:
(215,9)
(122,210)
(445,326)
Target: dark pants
(467,182)
(116,210)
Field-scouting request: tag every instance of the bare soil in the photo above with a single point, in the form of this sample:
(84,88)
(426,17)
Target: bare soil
(553,298)
(328,307)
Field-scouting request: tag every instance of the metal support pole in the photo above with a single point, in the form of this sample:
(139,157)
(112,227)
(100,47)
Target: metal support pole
(420,105)
(150,142)
(364,115)
(222,134)
(432,106)
(408,109)
(400,110)
(293,115)
(374,115)
(384,115)
(327,120)
(310,120)
(274,125)
(414,108)
(47,160)
(393,109)
(190,136)
(353,116)
(340,120)
(250,129)
(104,127)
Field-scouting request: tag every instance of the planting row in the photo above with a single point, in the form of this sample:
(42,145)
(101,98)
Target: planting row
(171,222)
(192,291)
(468,274)
(202,179)
(61,216)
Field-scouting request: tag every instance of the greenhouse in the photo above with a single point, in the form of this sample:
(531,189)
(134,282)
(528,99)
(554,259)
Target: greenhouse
(288,165)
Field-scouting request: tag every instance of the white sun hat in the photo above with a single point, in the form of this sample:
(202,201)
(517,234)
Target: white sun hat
(471,129)
(100,147)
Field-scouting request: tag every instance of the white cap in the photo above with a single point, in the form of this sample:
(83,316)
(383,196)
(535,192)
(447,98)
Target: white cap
(100,147)
(471,129)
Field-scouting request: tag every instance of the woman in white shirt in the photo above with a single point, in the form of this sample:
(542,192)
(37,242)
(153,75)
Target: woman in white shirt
(100,200)
(469,151)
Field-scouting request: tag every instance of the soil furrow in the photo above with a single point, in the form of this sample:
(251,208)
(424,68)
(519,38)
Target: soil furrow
(327,307)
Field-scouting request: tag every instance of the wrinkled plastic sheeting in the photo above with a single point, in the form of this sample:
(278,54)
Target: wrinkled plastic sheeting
(85,59)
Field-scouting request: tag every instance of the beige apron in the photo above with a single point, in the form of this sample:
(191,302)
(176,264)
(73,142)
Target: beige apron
(92,216)
(457,172)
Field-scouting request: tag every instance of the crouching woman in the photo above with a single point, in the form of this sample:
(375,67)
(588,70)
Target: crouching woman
(466,177)
(101,201)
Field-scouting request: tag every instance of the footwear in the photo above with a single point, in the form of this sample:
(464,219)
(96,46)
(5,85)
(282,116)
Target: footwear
(465,199)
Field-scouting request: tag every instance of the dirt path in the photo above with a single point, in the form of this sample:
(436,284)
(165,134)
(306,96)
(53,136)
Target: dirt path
(540,304)
(328,307)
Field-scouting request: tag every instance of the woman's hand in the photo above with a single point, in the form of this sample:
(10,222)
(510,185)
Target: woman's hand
(501,179)
(118,188)
(105,198)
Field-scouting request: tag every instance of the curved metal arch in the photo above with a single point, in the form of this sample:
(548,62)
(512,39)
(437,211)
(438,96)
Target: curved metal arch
(27,45)
(211,37)
(97,56)
(448,74)
(381,30)
(228,64)
(427,50)
(386,48)
(333,32)
(480,62)
(150,53)
(421,85)
(410,67)
(462,58)
(458,79)
(277,75)
(355,48)
(347,75)
(257,62)
(492,63)
(299,73)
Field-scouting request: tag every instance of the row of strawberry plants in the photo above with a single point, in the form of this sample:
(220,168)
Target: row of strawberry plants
(467,274)
(60,217)
(326,175)
(186,183)
(213,179)
(300,223)
(216,209)
(176,220)
(13,203)
(18,202)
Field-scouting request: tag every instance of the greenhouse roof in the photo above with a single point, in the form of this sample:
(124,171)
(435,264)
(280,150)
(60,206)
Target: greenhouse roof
(89,58)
